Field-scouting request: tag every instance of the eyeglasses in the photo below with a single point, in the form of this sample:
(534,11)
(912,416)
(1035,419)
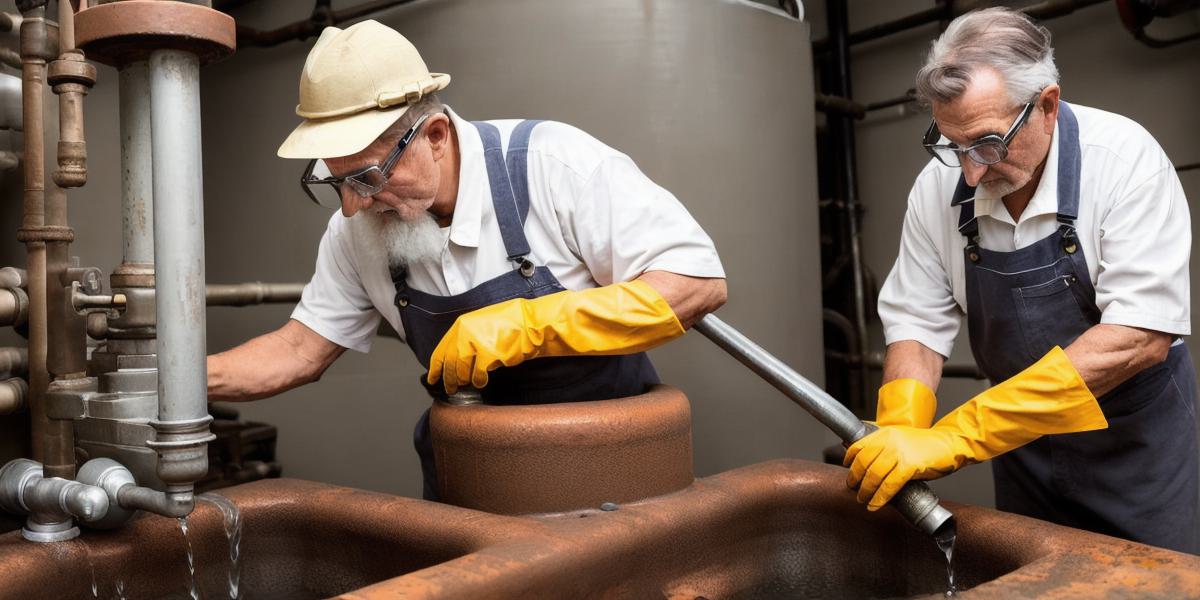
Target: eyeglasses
(987,150)
(326,190)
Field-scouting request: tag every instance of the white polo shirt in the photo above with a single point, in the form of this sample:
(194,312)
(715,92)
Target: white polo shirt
(594,219)
(1133,226)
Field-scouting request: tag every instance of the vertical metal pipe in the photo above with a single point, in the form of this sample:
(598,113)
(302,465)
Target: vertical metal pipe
(137,191)
(178,235)
(839,26)
(33,76)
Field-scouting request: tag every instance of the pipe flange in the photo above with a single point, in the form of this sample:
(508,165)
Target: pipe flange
(70,68)
(48,233)
(122,32)
(132,275)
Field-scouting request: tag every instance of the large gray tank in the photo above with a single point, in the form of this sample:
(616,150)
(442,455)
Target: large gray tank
(713,100)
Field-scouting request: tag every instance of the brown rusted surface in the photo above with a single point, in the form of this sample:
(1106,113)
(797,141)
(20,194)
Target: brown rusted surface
(783,529)
(562,457)
(120,32)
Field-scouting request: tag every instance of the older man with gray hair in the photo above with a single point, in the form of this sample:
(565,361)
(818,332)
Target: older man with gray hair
(1063,234)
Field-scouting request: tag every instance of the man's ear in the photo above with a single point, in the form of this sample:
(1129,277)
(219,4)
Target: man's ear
(437,131)
(1048,102)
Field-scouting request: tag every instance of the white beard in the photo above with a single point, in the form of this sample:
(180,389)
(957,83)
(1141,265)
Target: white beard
(402,243)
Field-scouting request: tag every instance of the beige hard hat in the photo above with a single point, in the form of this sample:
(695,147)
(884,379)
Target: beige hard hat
(356,82)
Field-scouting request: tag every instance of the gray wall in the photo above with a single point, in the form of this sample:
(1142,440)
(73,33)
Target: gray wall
(710,98)
(1101,65)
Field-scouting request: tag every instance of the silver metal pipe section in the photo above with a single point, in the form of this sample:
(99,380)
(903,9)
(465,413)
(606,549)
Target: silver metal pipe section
(245,294)
(182,425)
(14,362)
(916,501)
(51,503)
(137,190)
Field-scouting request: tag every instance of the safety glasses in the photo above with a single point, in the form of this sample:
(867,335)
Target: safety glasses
(987,150)
(326,190)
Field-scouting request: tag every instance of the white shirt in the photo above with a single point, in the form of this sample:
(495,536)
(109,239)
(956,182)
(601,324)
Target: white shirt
(1133,226)
(594,219)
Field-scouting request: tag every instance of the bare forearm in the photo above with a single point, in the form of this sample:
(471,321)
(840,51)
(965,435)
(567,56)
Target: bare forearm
(689,297)
(270,364)
(1107,355)
(912,359)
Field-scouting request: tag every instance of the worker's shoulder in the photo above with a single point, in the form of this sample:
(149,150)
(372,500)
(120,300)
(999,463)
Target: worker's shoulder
(566,145)
(1117,140)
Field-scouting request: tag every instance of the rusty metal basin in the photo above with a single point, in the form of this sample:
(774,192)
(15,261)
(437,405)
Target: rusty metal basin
(782,529)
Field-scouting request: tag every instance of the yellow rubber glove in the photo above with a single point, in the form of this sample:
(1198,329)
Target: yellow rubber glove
(905,402)
(622,318)
(1048,397)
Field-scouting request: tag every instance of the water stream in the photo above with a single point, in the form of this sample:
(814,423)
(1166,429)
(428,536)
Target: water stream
(945,541)
(183,526)
(233,533)
(87,554)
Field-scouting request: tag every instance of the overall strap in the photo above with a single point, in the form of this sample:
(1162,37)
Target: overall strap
(504,198)
(968,224)
(518,165)
(1069,165)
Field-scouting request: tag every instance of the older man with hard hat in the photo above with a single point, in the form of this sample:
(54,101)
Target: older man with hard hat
(524,258)
(1063,234)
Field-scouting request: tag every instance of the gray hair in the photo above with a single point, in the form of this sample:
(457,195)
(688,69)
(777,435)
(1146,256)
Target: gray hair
(1002,39)
(429,104)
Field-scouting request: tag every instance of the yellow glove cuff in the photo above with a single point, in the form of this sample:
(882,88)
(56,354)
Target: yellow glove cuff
(906,402)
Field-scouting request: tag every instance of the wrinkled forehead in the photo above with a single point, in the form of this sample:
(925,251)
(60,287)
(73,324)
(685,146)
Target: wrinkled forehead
(983,108)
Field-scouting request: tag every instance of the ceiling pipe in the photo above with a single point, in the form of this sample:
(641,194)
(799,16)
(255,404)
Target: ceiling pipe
(322,16)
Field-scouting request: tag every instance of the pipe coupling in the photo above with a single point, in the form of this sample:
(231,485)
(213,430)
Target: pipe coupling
(51,504)
(182,448)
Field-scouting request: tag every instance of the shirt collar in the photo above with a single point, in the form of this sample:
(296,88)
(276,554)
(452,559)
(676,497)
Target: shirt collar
(467,220)
(1045,197)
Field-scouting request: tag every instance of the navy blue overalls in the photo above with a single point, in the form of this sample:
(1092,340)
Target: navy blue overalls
(1138,478)
(426,317)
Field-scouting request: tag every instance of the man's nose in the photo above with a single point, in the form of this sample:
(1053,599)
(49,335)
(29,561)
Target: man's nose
(972,171)
(352,202)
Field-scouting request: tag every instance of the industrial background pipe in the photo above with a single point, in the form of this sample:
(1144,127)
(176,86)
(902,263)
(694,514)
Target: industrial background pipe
(34,42)
(915,501)
(179,259)
(12,395)
(245,294)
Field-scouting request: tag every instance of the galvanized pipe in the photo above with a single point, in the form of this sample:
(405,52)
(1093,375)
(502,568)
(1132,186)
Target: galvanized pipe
(178,234)
(183,418)
(137,190)
(916,501)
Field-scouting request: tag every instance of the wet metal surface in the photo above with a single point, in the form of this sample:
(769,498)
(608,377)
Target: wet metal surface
(783,529)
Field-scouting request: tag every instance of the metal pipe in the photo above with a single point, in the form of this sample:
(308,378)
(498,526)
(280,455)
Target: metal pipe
(14,307)
(245,294)
(14,362)
(13,392)
(12,277)
(182,425)
(33,74)
(137,189)
(838,21)
(950,9)
(915,501)
(322,16)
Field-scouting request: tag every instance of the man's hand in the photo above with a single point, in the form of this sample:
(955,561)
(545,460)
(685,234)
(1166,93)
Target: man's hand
(881,463)
(622,318)
(1048,397)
